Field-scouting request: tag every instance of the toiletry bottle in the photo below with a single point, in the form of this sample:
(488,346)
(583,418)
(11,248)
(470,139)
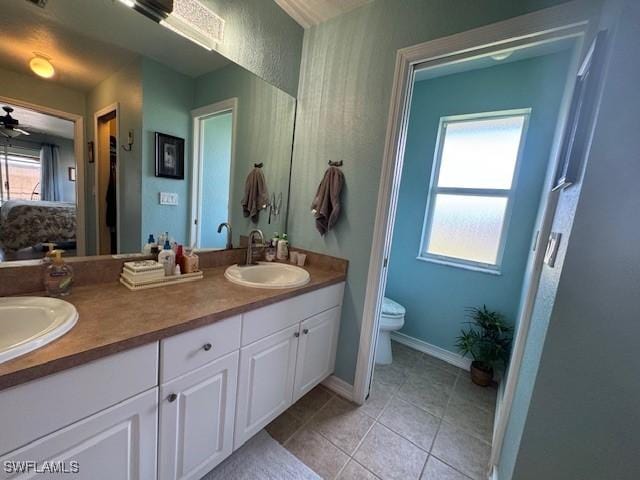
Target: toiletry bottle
(179,257)
(167,258)
(283,248)
(58,276)
(151,242)
(274,240)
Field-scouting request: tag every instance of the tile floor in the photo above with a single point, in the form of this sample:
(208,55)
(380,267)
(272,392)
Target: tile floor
(423,420)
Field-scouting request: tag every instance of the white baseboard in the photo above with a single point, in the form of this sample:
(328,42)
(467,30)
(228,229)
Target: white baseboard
(339,386)
(438,352)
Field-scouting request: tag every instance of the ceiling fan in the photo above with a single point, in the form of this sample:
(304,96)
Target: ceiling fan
(9,126)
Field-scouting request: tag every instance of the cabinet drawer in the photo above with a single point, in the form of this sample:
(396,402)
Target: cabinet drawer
(184,352)
(37,408)
(273,318)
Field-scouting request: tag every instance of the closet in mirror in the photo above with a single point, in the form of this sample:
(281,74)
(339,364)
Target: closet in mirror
(116,128)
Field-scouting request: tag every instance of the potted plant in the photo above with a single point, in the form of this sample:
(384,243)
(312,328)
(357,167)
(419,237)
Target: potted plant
(487,341)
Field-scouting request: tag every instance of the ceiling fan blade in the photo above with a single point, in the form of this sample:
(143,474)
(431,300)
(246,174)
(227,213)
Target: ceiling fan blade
(24,132)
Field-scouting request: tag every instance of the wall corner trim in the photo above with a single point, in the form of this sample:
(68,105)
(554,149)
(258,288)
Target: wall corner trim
(438,352)
(339,387)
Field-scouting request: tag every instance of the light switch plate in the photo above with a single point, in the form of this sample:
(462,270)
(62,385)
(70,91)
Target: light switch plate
(167,198)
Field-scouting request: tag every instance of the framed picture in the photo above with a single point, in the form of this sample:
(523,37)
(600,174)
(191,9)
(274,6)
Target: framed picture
(169,156)
(72,174)
(577,137)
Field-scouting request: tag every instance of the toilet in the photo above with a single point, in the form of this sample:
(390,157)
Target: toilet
(391,319)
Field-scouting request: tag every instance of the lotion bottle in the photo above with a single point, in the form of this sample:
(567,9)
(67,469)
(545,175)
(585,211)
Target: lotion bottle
(282,250)
(167,257)
(58,276)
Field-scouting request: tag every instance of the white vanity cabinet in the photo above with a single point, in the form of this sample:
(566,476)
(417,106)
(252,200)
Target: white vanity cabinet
(276,369)
(102,415)
(198,375)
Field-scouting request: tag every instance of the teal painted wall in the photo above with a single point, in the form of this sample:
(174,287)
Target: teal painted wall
(436,295)
(123,87)
(166,108)
(261,37)
(346,78)
(265,126)
(216,175)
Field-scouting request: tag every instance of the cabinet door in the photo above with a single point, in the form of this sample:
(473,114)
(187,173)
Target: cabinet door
(119,442)
(196,419)
(265,389)
(317,350)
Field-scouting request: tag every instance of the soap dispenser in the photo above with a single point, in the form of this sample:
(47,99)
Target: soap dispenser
(58,276)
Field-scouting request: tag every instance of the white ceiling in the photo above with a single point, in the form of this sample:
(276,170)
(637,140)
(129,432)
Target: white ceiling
(36,122)
(312,12)
(89,40)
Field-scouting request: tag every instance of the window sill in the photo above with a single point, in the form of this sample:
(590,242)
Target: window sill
(461,265)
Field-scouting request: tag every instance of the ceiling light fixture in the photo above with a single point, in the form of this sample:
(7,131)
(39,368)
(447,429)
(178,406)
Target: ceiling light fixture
(128,3)
(498,57)
(42,67)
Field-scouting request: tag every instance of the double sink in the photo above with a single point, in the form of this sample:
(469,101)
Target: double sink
(28,323)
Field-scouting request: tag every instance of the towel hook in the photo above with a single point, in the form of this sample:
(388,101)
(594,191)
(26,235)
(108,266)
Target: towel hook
(335,164)
(258,165)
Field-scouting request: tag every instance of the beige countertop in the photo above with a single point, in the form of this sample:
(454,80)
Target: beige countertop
(113,318)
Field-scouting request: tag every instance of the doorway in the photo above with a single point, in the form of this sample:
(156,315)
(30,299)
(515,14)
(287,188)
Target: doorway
(106,181)
(543,29)
(214,146)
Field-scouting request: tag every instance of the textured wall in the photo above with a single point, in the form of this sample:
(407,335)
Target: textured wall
(125,88)
(343,100)
(261,37)
(167,102)
(265,132)
(575,414)
(435,295)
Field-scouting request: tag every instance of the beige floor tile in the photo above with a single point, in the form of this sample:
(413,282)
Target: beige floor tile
(355,471)
(484,397)
(317,453)
(310,403)
(283,427)
(427,361)
(426,393)
(389,456)
(390,374)
(436,470)
(404,356)
(434,376)
(342,423)
(470,417)
(411,422)
(462,451)
(380,395)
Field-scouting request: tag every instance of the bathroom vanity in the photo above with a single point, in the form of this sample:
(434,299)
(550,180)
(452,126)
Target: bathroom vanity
(169,398)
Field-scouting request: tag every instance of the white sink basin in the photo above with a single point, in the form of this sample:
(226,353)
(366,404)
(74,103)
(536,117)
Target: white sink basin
(28,323)
(268,275)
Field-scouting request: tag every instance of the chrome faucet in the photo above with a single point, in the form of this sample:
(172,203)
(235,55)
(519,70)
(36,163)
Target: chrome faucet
(249,259)
(228,227)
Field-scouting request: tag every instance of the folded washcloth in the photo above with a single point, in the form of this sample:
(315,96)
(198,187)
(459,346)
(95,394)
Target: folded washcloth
(256,196)
(326,204)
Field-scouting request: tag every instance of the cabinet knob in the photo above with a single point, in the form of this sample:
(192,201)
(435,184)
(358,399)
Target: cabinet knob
(305,331)
(172,397)
(297,334)
(207,347)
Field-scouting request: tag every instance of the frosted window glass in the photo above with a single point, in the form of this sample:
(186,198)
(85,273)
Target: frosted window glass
(480,153)
(467,227)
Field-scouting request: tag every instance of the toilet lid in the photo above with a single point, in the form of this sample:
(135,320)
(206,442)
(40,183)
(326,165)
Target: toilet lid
(389,307)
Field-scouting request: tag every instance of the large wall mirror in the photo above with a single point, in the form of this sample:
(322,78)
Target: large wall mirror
(115,127)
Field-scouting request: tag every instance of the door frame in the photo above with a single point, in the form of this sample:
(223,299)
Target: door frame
(198,115)
(114,107)
(78,150)
(569,20)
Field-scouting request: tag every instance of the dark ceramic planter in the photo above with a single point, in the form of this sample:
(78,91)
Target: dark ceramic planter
(481,376)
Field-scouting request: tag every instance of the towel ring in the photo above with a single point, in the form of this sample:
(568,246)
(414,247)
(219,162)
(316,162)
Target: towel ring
(335,164)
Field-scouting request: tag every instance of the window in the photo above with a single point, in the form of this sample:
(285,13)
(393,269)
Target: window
(20,175)
(471,189)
